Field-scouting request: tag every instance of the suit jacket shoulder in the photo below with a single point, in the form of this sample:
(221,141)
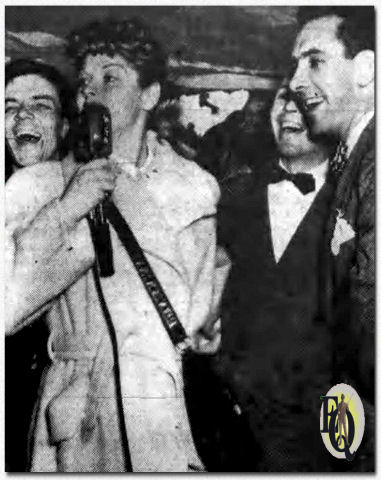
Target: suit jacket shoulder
(365,150)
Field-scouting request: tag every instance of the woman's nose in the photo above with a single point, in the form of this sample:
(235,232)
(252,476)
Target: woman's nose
(88,92)
(24,112)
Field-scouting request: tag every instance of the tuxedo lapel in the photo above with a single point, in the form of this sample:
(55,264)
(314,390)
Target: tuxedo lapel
(318,207)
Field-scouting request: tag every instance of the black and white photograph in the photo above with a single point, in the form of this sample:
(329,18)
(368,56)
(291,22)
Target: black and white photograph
(189,241)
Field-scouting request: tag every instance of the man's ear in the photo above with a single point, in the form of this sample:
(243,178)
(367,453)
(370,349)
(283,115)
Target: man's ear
(364,68)
(151,96)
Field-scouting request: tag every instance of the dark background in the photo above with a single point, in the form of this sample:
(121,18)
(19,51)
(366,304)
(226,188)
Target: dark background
(250,37)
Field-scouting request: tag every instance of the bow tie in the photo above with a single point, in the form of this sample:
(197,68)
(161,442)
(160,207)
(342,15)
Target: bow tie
(305,182)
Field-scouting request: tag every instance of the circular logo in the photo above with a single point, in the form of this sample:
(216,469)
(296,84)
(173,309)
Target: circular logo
(342,421)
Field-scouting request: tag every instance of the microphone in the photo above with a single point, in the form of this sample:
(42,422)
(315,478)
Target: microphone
(93,140)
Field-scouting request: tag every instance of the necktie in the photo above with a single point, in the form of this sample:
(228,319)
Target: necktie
(339,161)
(305,182)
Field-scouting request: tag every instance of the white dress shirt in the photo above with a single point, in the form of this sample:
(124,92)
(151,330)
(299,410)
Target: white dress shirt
(288,206)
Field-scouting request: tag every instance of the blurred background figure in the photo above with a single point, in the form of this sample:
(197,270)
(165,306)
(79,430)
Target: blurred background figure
(230,149)
(166,121)
(38,112)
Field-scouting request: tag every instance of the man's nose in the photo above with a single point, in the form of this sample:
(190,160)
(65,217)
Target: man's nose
(24,112)
(299,79)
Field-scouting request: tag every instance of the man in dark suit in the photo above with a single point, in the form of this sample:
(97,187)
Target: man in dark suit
(276,348)
(334,78)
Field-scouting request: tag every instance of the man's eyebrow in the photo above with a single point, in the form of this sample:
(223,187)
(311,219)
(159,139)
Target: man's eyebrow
(44,97)
(35,97)
(311,51)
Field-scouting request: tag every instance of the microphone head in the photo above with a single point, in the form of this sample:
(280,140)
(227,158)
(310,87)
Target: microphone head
(93,133)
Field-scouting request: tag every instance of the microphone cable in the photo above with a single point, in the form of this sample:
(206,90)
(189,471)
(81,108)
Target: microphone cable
(115,350)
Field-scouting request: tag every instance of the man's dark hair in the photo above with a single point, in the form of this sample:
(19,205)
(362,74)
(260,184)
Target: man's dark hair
(130,39)
(356,29)
(24,66)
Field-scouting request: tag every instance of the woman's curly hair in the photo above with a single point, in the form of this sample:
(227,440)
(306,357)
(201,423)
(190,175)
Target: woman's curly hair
(130,39)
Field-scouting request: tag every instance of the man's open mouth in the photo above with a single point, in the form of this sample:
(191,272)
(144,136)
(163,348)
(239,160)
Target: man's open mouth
(312,102)
(27,137)
(292,127)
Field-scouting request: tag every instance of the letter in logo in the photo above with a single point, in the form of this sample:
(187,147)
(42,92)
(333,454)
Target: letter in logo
(326,413)
(342,423)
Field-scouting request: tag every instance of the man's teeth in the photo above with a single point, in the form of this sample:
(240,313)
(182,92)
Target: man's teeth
(28,137)
(293,127)
(312,102)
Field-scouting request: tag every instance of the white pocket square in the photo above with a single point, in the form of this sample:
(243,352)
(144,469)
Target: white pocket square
(342,233)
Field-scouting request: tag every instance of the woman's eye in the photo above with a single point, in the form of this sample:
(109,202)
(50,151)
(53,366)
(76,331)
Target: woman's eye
(109,78)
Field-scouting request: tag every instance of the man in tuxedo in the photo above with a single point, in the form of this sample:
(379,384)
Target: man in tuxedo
(276,347)
(334,79)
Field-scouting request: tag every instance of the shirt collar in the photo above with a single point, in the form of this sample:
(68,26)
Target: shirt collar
(131,169)
(357,130)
